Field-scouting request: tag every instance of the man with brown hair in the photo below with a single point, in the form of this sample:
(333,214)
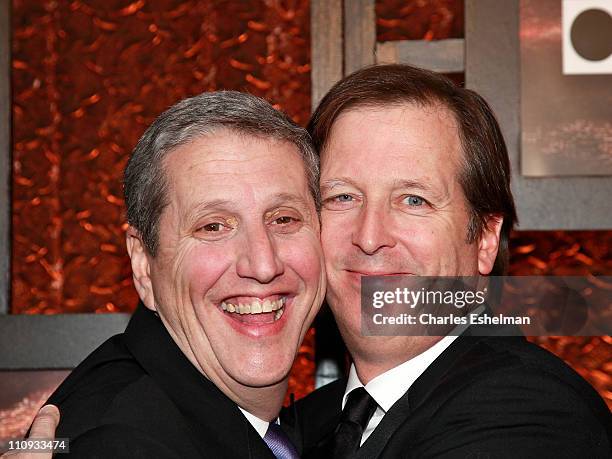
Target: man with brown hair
(415,180)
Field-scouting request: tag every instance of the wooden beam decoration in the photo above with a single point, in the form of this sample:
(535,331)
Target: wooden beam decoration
(359,34)
(326,46)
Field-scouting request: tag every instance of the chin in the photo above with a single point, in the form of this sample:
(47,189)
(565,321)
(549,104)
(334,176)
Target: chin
(262,378)
(264,373)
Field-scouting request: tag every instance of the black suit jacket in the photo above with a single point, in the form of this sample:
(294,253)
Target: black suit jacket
(138,396)
(483,397)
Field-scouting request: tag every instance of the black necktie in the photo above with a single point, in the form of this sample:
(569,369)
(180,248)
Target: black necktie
(359,408)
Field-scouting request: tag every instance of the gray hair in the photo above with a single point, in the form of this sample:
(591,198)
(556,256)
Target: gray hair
(144,180)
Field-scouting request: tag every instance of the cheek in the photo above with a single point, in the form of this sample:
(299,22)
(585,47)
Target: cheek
(335,233)
(304,256)
(419,235)
(205,266)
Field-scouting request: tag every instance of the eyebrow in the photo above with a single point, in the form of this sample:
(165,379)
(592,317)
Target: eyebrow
(289,199)
(412,184)
(227,204)
(195,212)
(332,183)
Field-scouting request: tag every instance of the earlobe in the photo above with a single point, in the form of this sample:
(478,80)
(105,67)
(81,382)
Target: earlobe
(489,244)
(141,271)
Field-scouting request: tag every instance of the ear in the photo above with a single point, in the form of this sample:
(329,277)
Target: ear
(141,271)
(489,244)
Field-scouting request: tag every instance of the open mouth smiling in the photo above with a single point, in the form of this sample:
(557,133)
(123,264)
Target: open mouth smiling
(256,311)
(274,308)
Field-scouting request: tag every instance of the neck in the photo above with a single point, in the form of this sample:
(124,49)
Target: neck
(367,371)
(263,402)
(371,360)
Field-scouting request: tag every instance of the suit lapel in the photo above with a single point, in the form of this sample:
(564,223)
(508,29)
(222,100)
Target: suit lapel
(290,423)
(217,427)
(400,414)
(319,415)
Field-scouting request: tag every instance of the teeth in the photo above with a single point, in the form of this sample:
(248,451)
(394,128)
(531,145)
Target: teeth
(256,307)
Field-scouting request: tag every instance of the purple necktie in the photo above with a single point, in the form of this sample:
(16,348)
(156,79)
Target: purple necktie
(279,443)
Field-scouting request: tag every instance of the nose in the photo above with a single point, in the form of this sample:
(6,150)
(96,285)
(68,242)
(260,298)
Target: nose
(371,233)
(259,259)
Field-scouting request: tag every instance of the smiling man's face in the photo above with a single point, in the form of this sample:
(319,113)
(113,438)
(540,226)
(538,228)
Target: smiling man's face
(392,204)
(239,275)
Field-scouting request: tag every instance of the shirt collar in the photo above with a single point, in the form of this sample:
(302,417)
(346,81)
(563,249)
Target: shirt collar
(388,387)
(259,425)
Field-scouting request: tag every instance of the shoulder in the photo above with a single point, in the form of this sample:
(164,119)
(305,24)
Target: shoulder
(509,393)
(515,371)
(119,441)
(525,364)
(110,407)
(327,398)
(108,385)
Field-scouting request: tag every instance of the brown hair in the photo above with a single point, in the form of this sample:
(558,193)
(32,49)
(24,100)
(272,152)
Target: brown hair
(485,171)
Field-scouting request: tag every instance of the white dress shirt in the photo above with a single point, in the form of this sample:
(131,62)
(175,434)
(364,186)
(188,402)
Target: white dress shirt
(388,387)
(259,425)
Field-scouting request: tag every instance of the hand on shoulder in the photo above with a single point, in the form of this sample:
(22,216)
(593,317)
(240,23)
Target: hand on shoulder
(43,427)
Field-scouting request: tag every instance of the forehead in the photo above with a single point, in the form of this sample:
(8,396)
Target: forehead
(404,139)
(226,165)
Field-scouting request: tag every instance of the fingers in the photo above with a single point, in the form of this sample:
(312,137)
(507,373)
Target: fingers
(45,422)
(44,426)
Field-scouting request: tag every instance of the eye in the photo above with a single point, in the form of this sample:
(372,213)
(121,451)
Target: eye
(212,227)
(343,198)
(215,227)
(343,201)
(284,220)
(414,201)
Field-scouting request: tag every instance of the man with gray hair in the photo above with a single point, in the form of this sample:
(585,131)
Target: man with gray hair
(221,194)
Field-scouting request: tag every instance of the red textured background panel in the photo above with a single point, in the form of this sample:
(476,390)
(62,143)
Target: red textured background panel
(419,19)
(88,77)
(570,253)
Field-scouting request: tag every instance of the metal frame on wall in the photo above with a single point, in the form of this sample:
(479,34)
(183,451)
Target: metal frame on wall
(493,69)
(50,342)
(5,155)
